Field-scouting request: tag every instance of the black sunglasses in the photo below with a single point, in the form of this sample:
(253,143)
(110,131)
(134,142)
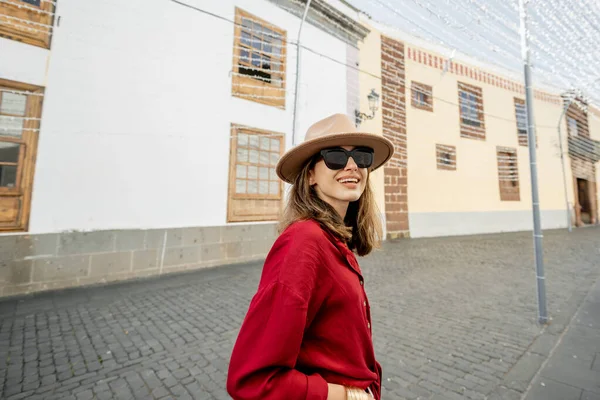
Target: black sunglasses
(337,158)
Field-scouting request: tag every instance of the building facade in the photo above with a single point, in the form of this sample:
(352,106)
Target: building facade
(584,154)
(460,131)
(141,140)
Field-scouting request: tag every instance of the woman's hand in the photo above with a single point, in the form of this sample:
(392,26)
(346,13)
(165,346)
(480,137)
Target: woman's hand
(336,392)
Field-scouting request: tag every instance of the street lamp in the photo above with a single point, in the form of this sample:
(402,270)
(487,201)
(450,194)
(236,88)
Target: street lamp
(373,98)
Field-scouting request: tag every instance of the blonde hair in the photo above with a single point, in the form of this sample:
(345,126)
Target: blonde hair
(360,229)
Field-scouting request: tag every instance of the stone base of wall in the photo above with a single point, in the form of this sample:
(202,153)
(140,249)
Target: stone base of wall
(436,224)
(34,263)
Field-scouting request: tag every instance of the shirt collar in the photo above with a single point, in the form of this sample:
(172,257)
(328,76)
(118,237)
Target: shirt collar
(346,253)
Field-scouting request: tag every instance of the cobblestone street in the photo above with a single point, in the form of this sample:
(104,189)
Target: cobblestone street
(453,318)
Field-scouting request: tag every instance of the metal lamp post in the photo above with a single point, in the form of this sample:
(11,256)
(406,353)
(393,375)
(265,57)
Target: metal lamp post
(537,234)
(373,98)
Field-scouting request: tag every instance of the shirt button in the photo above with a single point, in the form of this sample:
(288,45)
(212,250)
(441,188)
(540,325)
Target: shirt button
(365,303)
(369,325)
(361,282)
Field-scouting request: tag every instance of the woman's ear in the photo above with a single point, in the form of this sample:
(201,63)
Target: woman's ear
(311,177)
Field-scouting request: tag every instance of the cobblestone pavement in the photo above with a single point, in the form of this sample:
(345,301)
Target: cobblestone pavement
(572,371)
(453,318)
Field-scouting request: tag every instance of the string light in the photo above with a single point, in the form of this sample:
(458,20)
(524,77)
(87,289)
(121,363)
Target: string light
(577,67)
(25,7)
(514,42)
(443,41)
(22,92)
(354,37)
(26,22)
(19,26)
(579,150)
(11,118)
(355,90)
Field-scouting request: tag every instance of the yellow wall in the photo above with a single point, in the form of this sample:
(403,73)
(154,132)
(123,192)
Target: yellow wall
(370,78)
(474,185)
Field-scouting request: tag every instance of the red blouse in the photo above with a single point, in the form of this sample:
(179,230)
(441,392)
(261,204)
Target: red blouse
(309,323)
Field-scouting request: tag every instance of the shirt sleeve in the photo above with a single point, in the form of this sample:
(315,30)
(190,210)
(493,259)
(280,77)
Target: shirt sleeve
(267,347)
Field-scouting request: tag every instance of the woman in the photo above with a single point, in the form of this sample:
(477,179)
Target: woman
(307,333)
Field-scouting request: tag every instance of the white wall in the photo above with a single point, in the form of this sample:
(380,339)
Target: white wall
(136,119)
(23,63)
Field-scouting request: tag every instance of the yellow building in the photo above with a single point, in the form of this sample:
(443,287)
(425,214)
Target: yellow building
(462,155)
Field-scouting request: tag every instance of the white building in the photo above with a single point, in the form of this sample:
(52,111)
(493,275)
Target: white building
(143,134)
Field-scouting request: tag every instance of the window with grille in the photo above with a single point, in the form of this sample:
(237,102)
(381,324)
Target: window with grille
(446,157)
(572,126)
(521,117)
(254,189)
(259,58)
(508,174)
(20,110)
(422,97)
(577,120)
(470,100)
(28,21)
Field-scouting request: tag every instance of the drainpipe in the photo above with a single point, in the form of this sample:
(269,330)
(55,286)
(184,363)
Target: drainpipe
(298,71)
(562,159)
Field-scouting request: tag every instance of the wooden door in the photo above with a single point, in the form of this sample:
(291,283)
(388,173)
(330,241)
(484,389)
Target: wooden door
(584,201)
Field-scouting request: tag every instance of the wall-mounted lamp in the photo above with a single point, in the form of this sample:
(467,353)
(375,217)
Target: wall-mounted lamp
(373,106)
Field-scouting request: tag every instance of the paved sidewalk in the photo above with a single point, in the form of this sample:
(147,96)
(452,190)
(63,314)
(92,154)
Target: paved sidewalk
(573,370)
(453,318)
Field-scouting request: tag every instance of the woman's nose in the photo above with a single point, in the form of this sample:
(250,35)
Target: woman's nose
(351,165)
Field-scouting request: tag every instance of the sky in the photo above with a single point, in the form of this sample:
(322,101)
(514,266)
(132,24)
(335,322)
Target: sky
(564,35)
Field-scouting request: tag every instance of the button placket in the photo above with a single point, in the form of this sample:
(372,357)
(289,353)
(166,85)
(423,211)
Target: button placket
(366,307)
(354,265)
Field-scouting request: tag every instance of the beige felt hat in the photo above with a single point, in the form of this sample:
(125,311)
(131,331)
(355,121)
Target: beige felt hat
(335,130)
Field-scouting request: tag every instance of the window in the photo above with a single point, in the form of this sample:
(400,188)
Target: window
(258,61)
(20,110)
(572,126)
(255,190)
(470,100)
(577,119)
(28,21)
(508,174)
(521,116)
(446,157)
(422,97)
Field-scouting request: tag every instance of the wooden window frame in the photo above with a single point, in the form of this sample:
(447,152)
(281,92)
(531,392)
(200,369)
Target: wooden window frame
(509,190)
(251,200)
(21,193)
(440,150)
(522,136)
(250,88)
(466,130)
(581,117)
(27,23)
(426,91)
